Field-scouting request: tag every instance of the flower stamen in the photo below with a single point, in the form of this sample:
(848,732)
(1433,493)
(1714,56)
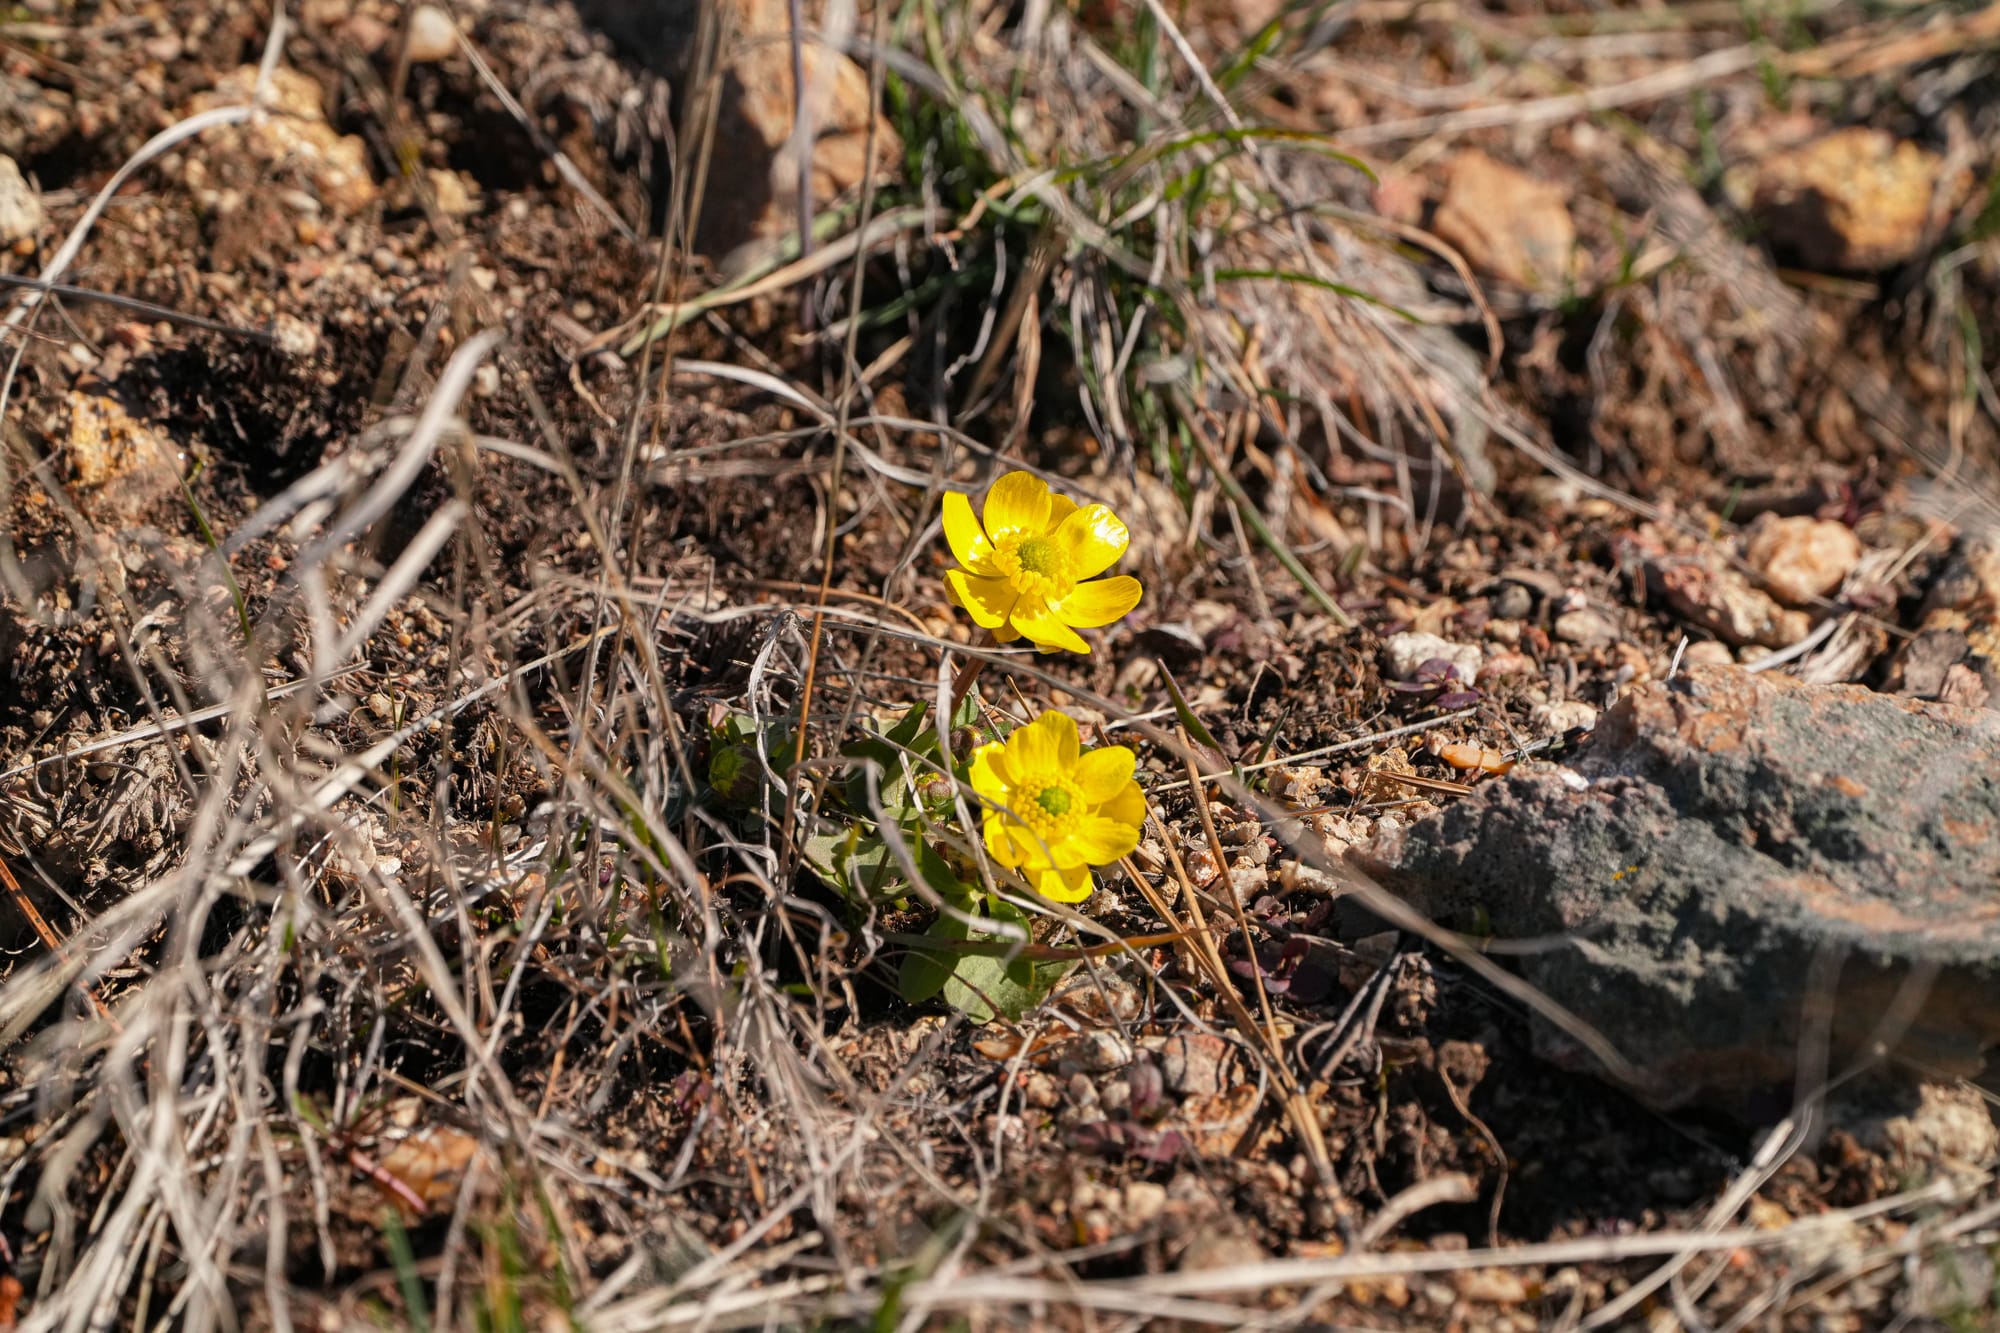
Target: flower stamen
(1033,565)
(1038,555)
(1051,809)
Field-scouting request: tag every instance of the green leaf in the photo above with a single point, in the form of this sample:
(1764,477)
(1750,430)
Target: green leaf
(908,732)
(968,711)
(981,985)
(925,971)
(855,865)
(943,879)
(1187,717)
(985,988)
(887,750)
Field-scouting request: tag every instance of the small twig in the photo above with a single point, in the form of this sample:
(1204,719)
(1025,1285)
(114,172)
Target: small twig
(1356,1021)
(802,135)
(137,307)
(1452,1187)
(571,174)
(1493,1145)
(1339,747)
(1215,849)
(52,941)
(1243,506)
(962,683)
(837,470)
(1297,1108)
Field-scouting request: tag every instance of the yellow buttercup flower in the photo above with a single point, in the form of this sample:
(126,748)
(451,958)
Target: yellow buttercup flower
(1026,568)
(1053,811)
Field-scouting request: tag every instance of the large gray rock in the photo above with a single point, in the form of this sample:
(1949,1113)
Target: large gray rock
(1730,831)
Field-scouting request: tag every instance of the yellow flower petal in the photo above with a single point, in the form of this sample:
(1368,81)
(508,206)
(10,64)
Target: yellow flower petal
(1103,773)
(1060,508)
(1099,841)
(968,540)
(1127,807)
(1005,633)
(990,777)
(1043,750)
(1000,843)
(988,601)
(1098,602)
(1068,744)
(1093,538)
(1029,850)
(1064,886)
(1066,854)
(1018,500)
(1040,624)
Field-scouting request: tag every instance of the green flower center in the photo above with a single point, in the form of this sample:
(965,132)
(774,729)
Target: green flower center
(1050,806)
(1033,565)
(1038,555)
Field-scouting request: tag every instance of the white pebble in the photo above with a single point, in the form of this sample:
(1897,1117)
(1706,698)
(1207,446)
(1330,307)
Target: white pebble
(433,36)
(1409,650)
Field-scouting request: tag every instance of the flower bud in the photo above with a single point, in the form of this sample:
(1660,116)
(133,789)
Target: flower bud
(735,774)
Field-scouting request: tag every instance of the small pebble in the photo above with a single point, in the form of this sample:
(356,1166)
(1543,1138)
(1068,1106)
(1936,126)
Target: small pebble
(433,36)
(1144,1201)
(20,207)
(1409,650)
(1561,718)
(1707,652)
(1099,1051)
(1463,756)
(1248,880)
(454,197)
(1491,1286)
(1512,602)
(1201,867)
(1586,628)
(1802,559)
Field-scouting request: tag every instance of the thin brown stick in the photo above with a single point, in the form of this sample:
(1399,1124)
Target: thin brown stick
(1236,898)
(1191,955)
(52,941)
(1297,1108)
(838,469)
(963,681)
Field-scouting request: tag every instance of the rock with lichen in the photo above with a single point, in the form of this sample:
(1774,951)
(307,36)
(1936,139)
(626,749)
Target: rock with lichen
(1730,853)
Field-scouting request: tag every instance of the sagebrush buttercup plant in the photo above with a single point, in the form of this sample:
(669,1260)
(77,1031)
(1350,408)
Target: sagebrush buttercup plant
(1053,809)
(1030,570)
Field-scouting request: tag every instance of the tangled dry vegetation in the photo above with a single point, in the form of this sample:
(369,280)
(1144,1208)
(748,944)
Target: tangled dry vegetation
(466,561)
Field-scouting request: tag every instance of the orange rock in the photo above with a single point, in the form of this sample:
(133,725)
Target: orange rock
(121,466)
(1474,756)
(1857,199)
(1802,559)
(1506,223)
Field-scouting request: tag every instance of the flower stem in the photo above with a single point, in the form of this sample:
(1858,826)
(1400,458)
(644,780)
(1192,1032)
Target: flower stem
(962,683)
